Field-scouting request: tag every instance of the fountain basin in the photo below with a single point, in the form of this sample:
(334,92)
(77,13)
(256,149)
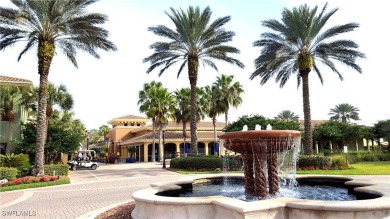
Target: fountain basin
(150,205)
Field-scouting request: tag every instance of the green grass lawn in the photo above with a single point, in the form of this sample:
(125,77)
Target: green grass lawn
(361,168)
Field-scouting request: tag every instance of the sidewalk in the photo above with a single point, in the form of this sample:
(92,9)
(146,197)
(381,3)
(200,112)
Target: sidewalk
(90,191)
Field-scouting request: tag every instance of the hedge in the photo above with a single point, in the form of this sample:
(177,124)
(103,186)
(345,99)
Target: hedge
(56,169)
(197,163)
(314,160)
(8,173)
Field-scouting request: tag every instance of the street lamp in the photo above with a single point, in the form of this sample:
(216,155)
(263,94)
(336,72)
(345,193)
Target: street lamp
(164,128)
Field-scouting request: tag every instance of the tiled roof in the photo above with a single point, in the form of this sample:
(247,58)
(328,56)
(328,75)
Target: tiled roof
(130,117)
(313,123)
(171,135)
(204,124)
(7,80)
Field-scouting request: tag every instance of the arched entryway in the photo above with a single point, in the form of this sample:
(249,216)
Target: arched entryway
(213,148)
(169,150)
(184,150)
(150,146)
(201,148)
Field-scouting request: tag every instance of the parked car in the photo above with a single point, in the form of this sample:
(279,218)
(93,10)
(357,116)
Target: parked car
(83,159)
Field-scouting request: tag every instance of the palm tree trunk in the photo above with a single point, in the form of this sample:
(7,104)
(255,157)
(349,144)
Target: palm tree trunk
(154,141)
(184,136)
(215,133)
(306,113)
(10,118)
(226,118)
(160,146)
(45,56)
(193,76)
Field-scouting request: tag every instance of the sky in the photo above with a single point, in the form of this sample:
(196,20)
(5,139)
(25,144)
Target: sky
(107,88)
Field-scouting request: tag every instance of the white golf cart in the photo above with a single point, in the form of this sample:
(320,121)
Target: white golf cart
(83,159)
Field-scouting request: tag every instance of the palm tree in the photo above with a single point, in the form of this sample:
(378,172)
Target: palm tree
(344,112)
(145,100)
(230,93)
(58,96)
(104,130)
(195,40)
(50,26)
(287,115)
(183,108)
(164,104)
(300,43)
(215,106)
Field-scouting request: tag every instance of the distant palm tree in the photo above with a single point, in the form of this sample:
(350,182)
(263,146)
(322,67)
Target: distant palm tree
(145,101)
(58,96)
(215,107)
(104,131)
(298,45)
(287,115)
(230,93)
(51,26)
(164,104)
(344,112)
(183,109)
(195,40)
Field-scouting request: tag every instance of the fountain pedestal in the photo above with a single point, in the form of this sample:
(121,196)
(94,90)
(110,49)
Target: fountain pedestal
(260,149)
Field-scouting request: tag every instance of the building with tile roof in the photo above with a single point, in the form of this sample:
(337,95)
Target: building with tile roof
(136,131)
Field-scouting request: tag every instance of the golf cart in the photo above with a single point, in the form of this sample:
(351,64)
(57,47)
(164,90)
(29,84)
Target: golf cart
(83,159)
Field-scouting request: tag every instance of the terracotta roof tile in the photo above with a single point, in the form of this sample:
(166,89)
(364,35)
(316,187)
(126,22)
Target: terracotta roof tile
(130,117)
(7,80)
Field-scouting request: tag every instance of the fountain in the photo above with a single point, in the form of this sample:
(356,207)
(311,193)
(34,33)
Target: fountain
(259,149)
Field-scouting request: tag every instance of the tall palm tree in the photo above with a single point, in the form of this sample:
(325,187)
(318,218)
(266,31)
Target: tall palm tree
(196,39)
(145,101)
(183,107)
(51,26)
(287,115)
(344,112)
(230,93)
(298,45)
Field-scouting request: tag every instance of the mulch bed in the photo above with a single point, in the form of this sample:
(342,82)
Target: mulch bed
(120,212)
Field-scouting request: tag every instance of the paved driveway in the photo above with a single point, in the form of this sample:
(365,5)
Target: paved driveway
(90,192)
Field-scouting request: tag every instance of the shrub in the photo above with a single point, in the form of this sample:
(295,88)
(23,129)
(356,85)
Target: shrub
(314,160)
(8,173)
(197,163)
(232,163)
(58,169)
(382,156)
(14,160)
(25,171)
(338,160)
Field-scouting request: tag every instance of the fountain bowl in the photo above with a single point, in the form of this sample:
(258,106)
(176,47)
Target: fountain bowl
(150,205)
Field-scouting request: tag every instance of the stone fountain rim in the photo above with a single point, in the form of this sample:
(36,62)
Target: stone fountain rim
(256,134)
(381,203)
